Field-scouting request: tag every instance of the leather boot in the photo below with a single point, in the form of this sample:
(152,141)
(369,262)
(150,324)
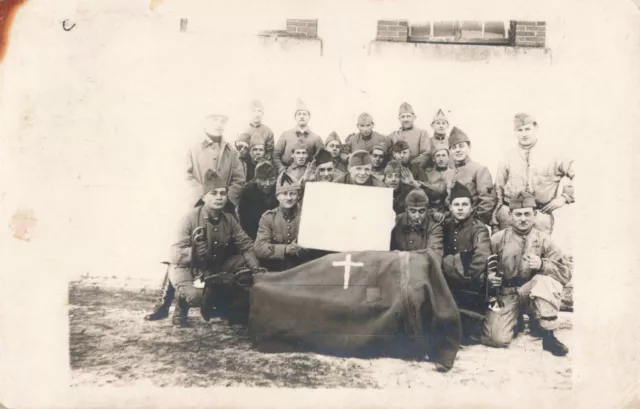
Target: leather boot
(552,344)
(167,294)
(181,314)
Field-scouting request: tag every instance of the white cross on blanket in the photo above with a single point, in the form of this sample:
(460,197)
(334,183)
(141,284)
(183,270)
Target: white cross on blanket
(347,264)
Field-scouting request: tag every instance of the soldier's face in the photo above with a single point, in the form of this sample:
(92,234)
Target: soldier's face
(325,172)
(460,151)
(302,118)
(523,219)
(527,134)
(216,199)
(377,158)
(416,214)
(300,156)
(407,119)
(334,148)
(441,158)
(461,208)
(365,128)
(402,156)
(215,125)
(288,199)
(392,179)
(266,185)
(257,153)
(242,149)
(360,174)
(256,115)
(440,127)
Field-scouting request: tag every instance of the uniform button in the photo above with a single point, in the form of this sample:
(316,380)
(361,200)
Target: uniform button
(215,242)
(215,229)
(411,241)
(289,227)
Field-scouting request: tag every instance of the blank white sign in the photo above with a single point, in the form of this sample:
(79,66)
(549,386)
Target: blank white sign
(339,217)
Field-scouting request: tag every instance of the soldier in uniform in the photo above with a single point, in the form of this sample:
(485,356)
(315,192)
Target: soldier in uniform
(300,156)
(434,181)
(322,168)
(333,145)
(283,149)
(242,150)
(473,175)
(251,153)
(533,274)
(257,128)
(440,126)
(416,138)
(394,174)
(359,171)
(402,153)
(257,197)
(415,230)
(366,138)
(276,242)
(224,246)
(378,161)
(536,169)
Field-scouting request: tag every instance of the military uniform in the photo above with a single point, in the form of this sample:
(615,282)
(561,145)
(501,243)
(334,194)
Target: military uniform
(296,171)
(435,184)
(427,236)
(356,141)
(252,203)
(275,231)
(477,179)
(399,197)
(466,249)
(266,134)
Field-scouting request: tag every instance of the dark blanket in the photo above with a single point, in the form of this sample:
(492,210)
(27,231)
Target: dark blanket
(394,304)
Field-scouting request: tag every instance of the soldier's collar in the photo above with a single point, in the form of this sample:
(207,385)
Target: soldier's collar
(253,125)
(211,140)
(463,163)
(463,223)
(439,136)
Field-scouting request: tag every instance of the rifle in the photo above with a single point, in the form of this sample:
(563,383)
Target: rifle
(491,293)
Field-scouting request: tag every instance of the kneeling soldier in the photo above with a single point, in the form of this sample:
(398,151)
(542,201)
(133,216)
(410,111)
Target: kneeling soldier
(414,229)
(211,241)
(534,273)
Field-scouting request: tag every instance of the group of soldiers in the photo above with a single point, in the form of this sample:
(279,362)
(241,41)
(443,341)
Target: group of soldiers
(249,195)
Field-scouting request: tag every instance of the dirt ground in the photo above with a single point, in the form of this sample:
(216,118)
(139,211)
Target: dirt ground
(111,344)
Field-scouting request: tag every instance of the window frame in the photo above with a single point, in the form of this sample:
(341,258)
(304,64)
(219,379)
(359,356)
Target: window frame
(457,37)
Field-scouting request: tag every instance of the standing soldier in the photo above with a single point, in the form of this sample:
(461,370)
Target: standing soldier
(300,156)
(415,230)
(434,181)
(533,168)
(215,154)
(440,125)
(257,128)
(276,242)
(257,197)
(378,161)
(223,247)
(366,138)
(282,152)
(417,139)
(360,171)
(474,176)
(334,146)
(533,273)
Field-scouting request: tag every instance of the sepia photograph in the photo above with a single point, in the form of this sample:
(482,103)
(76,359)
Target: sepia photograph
(376,197)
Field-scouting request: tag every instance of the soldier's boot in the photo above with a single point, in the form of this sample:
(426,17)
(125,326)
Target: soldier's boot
(535,330)
(552,344)
(167,294)
(181,314)
(520,326)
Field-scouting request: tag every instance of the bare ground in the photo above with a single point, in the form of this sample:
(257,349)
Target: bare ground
(111,344)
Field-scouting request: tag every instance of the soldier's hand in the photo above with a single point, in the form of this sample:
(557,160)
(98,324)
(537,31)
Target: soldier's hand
(494,280)
(556,203)
(201,248)
(292,249)
(438,217)
(533,261)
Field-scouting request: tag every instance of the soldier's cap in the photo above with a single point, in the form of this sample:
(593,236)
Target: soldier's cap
(364,118)
(522,119)
(333,136)
(359,158)
(439,147)
(405,108)
(217,113)
(416,198)
(256,140)
(457,136)
(522,200)
(459,190)
(400,146)
(299,146)
(393,166)
(256,104)
(265,170)
(323,156)
(285,183)
(378,146)
(212,181)
(301,106)
(440,116)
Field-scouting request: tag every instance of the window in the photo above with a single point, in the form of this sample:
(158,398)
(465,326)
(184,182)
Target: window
(462,32)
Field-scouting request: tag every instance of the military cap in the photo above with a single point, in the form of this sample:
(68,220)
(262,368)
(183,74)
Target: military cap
(256,140)
(400,146)
(323,156)
(256,104)
(333,136)
(522,119)
(440,116)
(265,170)
(393,166)
(457,136)
(438,147)
(285,183)
(300,145)
(405,108)
(459,190)
(364,118)
(301,106)
(212,181)
(522,200)
(379,146)
(359,158)
(416,198)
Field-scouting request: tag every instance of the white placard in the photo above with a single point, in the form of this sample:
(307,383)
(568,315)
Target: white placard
(339,217)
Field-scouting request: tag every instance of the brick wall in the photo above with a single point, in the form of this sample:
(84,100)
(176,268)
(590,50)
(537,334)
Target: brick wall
(392,30)
(303,28)
(528,33)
